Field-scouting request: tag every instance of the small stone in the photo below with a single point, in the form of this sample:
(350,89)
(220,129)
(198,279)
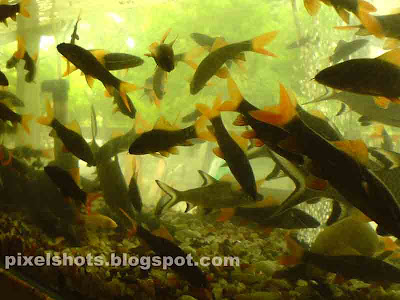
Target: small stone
(260,296)
(267,267)
(186,297)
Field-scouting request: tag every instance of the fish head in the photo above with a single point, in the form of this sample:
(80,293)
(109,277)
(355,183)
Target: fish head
(164,56)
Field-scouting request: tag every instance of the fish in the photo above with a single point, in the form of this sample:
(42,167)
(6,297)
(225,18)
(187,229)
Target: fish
(3,80)
(74,35)
(159,80)
(30,66)
(291,219)
(208,41)
(160,75)
(360,267)
(97,221)
(149,90)
(27,152)
(71,138)
(11,11)
(119,61)
(191,117)
(10,99)
(344,171)
(92,68)
(63,180)
(131,112)
(389,26)
(164,137)
(367,76)
(112,181)
(365,106)
(344,49)
(6,114)
(349,236)
(211,194)
(229,150)
(303,41)
(165,248)
(30,62)
(162,53)
(359,8)
(133,189)
(212,63)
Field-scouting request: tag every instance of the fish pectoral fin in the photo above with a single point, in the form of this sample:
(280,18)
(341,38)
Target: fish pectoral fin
(89,80)
(64,149)
(258,143)
(343,14)
(240,121)
(241,141)
(228,178)
(223,73)
(382,102)
(164,153)
(312,6)
(173,150)
(70,68)
(248,134)
(217,151)
(371,24)
(226,214)
(315,183)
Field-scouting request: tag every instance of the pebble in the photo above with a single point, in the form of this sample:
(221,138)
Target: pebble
(267,267)
(186,297)
(260,296)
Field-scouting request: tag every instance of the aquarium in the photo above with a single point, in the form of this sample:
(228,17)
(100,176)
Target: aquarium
(178,149)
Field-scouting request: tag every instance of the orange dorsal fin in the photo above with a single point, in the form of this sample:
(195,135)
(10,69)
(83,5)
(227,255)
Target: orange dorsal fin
(355,148)
(163,124)
(280,114)
(99,54)
(392,57)
(218,43)
(74,126)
